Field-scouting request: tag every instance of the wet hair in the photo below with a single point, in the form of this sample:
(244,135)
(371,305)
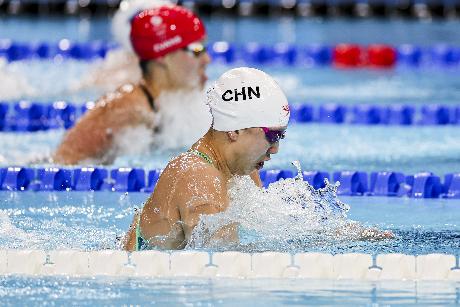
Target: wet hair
(144,65)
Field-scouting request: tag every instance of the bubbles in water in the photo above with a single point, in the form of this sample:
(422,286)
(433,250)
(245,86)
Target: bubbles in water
(119,67)
(289,214)
(10,235)
(184,117)
(13,84)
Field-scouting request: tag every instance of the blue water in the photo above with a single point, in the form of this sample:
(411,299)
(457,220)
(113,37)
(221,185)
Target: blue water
(222,292)
(302,85)
(92,221)
(318,147)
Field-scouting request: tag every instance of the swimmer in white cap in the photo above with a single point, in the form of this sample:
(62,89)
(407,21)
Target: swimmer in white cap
(250,115)
(168,41)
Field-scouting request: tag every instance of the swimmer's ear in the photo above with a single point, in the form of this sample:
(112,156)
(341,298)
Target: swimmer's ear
(233,135)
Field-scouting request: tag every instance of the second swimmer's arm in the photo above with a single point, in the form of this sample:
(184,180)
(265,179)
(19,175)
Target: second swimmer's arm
(88,139)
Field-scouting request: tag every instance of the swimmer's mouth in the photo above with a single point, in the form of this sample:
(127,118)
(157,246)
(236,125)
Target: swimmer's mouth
(204,78)
(260,165)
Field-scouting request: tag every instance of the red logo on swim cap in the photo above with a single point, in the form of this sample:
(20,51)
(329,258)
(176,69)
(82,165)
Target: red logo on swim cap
(159,31)
(286,109)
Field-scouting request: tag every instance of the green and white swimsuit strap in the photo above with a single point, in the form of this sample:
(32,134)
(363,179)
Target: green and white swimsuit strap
(201,155)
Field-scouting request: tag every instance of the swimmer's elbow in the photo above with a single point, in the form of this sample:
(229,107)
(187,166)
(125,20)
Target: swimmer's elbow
(128,242)
(59,158)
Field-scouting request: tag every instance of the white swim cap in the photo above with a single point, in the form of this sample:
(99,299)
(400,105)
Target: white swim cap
(246,98)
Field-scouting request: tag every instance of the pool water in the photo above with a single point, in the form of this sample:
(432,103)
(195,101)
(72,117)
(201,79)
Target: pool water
(318,147)
(222,292)
(93,221)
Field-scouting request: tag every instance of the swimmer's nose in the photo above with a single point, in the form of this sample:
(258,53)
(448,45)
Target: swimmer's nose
(274,148)
(205,58)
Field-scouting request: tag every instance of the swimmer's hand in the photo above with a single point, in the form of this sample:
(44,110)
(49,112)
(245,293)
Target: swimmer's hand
(359,232)
(375,234)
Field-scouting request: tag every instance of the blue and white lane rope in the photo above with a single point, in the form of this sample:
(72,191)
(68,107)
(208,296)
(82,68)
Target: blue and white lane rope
(352,183)
(26,116)
(285,54)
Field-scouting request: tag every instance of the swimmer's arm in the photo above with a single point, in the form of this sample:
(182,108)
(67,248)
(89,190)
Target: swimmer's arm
(359,232)
(129,240)
(93,135)
(204,194)
(88,139)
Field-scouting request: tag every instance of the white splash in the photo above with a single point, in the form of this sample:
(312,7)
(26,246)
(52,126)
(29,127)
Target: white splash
(12,236)
(13,85)
(288,214)
(183,118)
(117,68)
(124,144)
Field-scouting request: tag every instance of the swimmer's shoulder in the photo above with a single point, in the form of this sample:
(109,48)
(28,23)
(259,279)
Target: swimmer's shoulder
(188,166)
(196,183)
(125,94)
(125,106)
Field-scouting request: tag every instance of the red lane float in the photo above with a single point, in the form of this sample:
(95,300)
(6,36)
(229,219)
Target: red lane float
(355,56)
(348,56)
(381,56)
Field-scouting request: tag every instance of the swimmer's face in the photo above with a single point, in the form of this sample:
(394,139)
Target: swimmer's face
(253,150)
(187,67)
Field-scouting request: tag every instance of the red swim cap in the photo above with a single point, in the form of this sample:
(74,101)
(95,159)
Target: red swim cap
(158,31)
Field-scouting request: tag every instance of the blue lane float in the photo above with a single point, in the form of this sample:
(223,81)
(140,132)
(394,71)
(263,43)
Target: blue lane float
(424,185)
(437,115)
(388,184)
(352,183)
(400,115)
(332,113)
(86,51)
(452,185)
(89,179)
(52,179)
(128,179)
(27,116)
(270,176)
(285,54)
(316,178)
(16,178)
(152,179)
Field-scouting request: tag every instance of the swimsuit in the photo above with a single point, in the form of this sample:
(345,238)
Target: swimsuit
(149,97)
(141,242)
(201,155)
